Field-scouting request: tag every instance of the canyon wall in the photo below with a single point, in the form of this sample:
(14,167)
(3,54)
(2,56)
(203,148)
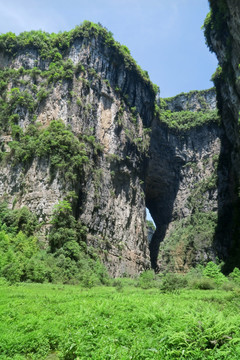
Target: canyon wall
(222,32)
(185,185)
(80,123)
(106,107)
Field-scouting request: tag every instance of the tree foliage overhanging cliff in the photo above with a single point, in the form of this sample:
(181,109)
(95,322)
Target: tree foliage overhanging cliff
(53,46)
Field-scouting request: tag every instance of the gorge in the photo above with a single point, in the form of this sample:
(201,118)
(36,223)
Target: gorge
(82,125)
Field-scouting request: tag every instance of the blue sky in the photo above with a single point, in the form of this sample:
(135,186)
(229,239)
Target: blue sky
(164,36)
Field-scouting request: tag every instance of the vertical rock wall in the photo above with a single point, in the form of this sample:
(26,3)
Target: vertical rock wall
(109,107)
(185,186)
(222,32)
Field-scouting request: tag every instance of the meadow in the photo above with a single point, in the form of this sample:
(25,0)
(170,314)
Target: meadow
(51,321)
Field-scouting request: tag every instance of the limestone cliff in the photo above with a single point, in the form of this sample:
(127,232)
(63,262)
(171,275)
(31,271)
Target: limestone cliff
(193,101)
(98,92)
(183,193)
(80,121)
(222,32)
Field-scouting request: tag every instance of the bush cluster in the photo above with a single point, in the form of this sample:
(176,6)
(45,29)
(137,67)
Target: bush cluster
(66,153)
(67,260)
(186,120)
(53,46)
(207,277)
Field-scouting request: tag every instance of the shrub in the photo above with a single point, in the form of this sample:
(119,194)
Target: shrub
(89,279)
(13,271)
(213,272)
(67,261)
(42,94)
(235,275)
(18,220)
(36,270)
(172,282)
(185,120)
(64,226)
(146,279)
(3,281)
(202,283)
(118,284)
(228,286)
(195,272)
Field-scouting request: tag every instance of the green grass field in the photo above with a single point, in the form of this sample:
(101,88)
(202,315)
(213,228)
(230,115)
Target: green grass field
(46,321)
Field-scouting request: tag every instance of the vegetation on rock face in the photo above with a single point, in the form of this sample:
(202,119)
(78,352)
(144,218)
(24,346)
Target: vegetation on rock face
(191,235)
(216,29)
(53,46)
(216,21)
(186,120)
(24,92)
(38,81)
(198,96)
(188,242)
(30,86)
(151,225)
(66,153)
(220,29)
(191,239)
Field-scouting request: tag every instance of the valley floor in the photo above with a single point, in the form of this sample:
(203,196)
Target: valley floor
(46,321)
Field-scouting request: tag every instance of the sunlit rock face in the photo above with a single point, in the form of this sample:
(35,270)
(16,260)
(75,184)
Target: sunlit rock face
(108,107)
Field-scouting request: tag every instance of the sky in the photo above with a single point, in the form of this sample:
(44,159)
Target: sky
(164,36)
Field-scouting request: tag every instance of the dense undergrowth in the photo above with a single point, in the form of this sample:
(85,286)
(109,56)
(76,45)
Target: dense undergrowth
(66,260)
(45,321)
(123,319)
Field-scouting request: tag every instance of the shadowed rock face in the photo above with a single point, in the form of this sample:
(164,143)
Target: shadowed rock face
(162,183)
(180,187)
(222,31)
